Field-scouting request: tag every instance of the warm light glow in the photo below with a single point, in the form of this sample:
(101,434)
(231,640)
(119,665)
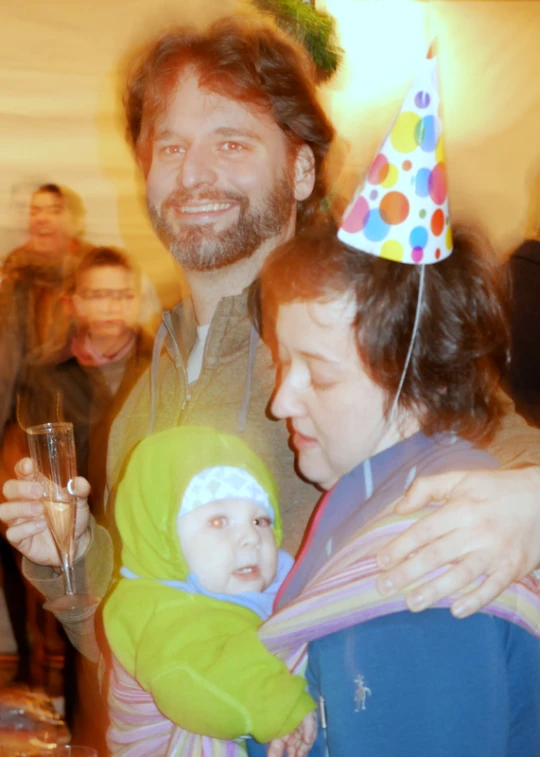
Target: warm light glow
(383,42)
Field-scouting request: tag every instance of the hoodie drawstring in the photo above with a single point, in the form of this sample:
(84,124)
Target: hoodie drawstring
(156,353)
(244,407)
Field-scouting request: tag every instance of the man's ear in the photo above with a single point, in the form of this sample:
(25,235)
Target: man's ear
(304,173)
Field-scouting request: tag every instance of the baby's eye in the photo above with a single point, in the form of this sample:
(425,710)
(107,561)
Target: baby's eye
(219,521)
(263,522)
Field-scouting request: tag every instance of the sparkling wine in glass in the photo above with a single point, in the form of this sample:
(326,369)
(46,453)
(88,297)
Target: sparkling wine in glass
(52,448)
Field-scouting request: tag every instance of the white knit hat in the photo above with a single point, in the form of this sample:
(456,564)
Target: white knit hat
(223,482)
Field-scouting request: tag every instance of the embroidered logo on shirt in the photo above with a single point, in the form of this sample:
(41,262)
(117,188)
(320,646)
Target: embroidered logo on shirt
(361,693)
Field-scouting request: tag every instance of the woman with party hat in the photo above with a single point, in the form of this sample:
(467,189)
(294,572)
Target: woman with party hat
(390,343)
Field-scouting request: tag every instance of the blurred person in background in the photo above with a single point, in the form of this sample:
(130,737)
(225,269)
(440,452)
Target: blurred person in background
(35,275)
(32,313)
(524,372)
(85,379)
(14,230)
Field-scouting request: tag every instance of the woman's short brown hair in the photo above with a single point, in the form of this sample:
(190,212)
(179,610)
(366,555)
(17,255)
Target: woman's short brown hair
(248,61)
(461,346)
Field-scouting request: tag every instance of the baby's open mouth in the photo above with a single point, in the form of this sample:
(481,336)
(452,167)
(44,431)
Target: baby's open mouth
(248,572)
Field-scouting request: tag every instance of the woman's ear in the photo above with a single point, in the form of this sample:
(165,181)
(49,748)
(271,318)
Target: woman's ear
(304,173)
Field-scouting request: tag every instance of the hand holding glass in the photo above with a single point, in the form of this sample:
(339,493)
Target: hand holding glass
(52,448)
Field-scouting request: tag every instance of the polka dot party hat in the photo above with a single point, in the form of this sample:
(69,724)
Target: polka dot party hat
(400,212)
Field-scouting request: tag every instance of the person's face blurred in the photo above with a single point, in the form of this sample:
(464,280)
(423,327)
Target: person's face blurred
(336,412)
(107,301)
(230,546)
(222,179)
(50,223)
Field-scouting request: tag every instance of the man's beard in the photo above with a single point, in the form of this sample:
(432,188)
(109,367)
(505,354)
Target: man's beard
(200,248)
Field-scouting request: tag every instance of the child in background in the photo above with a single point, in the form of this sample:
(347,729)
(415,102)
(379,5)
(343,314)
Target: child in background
(85,379)
(198,515)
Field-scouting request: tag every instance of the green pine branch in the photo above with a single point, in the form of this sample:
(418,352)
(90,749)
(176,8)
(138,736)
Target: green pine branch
(315,30)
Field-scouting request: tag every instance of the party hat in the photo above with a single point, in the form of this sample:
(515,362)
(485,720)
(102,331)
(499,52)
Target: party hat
(400,212)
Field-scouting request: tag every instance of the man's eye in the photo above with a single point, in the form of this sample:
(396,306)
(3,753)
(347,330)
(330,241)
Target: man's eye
(171,150)
(263,522)
(218,522)
(232,147)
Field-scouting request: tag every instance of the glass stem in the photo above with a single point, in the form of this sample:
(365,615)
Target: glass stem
(67,569)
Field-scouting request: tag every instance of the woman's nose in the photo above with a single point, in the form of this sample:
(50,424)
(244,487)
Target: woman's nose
(286,402)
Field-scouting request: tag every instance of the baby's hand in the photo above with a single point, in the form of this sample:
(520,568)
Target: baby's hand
(299,742)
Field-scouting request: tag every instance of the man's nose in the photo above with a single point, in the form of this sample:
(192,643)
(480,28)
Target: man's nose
(197,168)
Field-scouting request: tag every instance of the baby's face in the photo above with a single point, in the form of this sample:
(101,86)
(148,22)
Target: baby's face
(229,545)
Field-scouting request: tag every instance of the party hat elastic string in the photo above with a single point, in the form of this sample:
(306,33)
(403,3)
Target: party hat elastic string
(400,211)
(393,411)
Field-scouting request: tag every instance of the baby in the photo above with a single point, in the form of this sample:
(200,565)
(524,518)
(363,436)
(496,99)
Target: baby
(198,515)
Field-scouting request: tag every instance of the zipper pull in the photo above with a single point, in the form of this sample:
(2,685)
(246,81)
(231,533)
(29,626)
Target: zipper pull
(324,723)
(322,712)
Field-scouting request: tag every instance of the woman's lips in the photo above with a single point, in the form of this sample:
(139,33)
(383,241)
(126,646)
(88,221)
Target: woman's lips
(300,441)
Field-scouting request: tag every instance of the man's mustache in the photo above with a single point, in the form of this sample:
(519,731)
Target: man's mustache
(185,198)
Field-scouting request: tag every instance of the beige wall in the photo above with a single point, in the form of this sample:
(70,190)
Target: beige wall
(60,118)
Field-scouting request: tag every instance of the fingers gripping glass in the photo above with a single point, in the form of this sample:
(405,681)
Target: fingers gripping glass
(52,448)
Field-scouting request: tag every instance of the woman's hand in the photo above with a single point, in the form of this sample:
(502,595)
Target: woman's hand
(489,526)
(23,515)
(299,742)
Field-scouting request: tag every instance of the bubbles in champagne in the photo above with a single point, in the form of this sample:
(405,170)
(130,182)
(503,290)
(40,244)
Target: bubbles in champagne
(61,519)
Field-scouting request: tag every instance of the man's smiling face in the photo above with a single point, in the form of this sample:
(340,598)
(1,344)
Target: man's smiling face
(220,181)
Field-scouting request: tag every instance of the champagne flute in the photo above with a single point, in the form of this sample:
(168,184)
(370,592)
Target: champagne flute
(52,449)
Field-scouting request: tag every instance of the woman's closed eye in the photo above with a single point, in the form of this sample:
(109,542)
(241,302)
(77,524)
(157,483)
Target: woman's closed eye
(320,381)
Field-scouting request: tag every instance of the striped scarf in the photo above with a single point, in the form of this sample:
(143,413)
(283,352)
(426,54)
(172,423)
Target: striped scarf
(341,595)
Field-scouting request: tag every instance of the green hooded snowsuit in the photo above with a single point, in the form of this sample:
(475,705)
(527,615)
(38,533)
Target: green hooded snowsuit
(200,658)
